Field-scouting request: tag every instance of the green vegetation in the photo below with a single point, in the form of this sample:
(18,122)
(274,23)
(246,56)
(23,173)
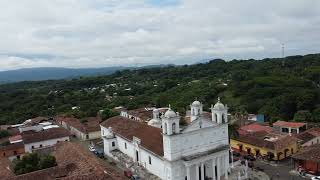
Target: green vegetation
(279,88)
(33,162)
(4,133)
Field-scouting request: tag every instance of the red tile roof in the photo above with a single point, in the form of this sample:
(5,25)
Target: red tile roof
(142,113)
(308,135)
(45,135)
(255,127)
(5,168)
(151,137)
(92,124)
(259,139)
(15,138)
(74,163)
(311,153)
(87,166)
(289,124)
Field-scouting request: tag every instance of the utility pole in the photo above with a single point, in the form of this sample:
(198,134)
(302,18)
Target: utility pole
(282,55)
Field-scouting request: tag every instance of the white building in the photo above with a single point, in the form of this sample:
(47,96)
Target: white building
(44,139)
(193,152)
(88,130)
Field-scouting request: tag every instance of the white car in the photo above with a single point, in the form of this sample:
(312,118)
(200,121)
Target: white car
(92,149)
(315,178)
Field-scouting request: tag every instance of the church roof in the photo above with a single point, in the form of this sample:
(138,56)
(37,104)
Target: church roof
(151,137)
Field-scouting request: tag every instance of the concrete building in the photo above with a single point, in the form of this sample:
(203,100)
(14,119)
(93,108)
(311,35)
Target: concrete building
(197,151)
(309,137)
(87,130)
(44,139)
(308,160)
(289,127)
(271,146)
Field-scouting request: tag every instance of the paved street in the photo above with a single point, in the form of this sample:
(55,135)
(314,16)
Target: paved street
(278,171)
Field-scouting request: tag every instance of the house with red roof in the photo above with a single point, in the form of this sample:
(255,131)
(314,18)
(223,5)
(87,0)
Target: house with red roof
(309,137)
(87,129)
(289,127)
(253,128)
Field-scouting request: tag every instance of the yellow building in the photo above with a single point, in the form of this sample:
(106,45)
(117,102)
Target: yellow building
(269,145)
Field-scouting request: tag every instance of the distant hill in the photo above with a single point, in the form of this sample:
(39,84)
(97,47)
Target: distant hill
(52,73)
(280,88)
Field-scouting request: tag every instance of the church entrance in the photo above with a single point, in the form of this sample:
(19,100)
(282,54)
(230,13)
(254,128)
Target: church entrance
(137,156)
(204,172)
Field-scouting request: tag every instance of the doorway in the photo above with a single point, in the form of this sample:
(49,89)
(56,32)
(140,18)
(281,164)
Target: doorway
(137,156)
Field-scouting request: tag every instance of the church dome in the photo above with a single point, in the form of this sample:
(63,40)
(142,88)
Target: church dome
(170,114)
(196,103)
(219,105)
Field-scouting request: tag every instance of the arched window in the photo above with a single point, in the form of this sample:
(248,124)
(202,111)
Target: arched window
(223,119)
(173,128)
(165,128)
(216,117)
(198,111)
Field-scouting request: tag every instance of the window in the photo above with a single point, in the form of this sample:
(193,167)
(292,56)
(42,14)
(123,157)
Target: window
(32,147)
(40,145)
(87,136)
(223,120)
(15,152)
(113,144)
(125,145)
(149,160)
(317,141)
(4,154)
(173,128)
(165,128)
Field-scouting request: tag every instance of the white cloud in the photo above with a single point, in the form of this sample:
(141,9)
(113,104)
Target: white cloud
(94,33)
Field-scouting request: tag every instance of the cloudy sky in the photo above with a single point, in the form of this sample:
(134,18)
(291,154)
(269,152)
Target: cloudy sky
(99,33)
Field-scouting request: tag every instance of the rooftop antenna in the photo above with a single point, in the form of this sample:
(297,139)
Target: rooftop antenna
(282,54)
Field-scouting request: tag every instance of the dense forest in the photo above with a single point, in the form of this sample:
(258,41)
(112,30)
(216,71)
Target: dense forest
(286,89)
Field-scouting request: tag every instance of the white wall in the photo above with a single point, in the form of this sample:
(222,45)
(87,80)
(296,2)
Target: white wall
(315,140)
(188,143)
(80,135)
(50,142)
(157,165)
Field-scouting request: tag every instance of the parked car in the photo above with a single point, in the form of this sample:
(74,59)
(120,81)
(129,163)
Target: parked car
(91,148)
(135,177)
(99,153)
(315,178)
(249,157)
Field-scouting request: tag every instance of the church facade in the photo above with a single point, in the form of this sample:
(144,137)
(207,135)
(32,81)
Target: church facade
(197,151)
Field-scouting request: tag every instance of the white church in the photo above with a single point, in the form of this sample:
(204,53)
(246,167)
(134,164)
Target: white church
(197,151)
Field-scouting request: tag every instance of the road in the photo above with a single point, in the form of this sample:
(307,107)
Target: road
(278,171)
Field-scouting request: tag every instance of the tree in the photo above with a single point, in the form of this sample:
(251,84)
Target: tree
(233,131)
(302,116)
(33,162)
(4,133)
(316,115)
(47,162)
(108,113)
